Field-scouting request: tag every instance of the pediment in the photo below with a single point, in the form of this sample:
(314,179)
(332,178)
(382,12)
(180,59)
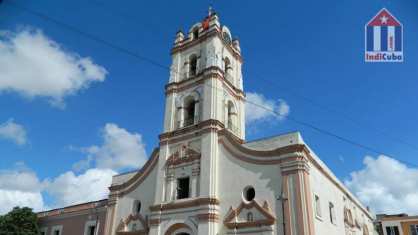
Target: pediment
(249,214)
(133,224)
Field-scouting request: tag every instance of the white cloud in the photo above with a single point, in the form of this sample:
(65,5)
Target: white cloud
(33,65)
(12,131)
(12,198)
(20,187)
(253,111)
(69,188)
(120,150)
(386,185)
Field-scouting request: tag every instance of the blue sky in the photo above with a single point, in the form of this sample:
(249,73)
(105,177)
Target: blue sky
(311,50)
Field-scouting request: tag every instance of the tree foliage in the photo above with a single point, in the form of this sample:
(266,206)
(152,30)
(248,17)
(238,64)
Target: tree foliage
(19,221)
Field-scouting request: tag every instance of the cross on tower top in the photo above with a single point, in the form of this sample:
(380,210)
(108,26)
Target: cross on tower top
(210,10)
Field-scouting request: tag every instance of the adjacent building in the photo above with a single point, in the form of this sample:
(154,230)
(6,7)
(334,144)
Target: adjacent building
(82,219)
(204,177)
(399,224)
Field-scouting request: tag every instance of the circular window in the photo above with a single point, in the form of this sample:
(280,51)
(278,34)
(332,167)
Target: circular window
(249,193)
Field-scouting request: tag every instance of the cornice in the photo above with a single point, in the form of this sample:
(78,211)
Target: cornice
(208,217)
(200,78)
(79,209)
(184,204)
(191,131)
(290,153)
(215,32)
(64,215)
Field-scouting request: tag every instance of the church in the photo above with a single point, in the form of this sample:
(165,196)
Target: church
(204,178)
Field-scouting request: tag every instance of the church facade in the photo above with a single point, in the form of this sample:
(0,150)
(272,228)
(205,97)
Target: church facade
(204,178)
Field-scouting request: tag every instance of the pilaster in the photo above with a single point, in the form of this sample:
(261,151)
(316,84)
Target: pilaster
(110,214)
(298,213)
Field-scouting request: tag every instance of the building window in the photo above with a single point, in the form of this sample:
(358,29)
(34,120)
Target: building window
(189,112)
(183,188)
(91,230)
(91,227)
(392,230)
(193,65)
(137,207)
(56,230)
(414,229)
(250,217)
(332,213)
(318,206)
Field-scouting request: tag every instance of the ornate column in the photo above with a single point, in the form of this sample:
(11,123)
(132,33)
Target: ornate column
(298,212)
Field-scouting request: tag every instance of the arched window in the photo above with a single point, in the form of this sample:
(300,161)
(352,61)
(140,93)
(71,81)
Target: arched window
(227,65)
(232,117)
(250,217)
(195,33)
(192,65)
(189,111)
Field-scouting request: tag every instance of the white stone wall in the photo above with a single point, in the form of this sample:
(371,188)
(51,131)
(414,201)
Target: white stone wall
(145,193)
(329,192)
(234,175)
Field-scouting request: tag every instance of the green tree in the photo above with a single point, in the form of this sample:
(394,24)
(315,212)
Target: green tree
(19,221)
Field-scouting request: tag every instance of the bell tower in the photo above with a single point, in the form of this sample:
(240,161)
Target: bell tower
(205,79)
(204,97)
